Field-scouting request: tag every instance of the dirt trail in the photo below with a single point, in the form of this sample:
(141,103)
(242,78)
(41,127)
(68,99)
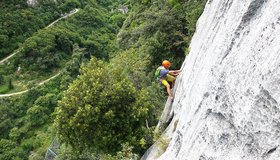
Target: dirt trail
(21,92)
(13,54)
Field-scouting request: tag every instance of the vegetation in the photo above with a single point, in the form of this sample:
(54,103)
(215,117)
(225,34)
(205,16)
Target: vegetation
(26,120)
(162,144)
(18,22)
(105,103)
(49,49)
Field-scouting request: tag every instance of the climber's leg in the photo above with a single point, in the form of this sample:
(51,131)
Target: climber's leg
(171,79)
(164,82)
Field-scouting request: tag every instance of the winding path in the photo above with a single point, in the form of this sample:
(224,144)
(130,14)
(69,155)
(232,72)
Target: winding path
(21,92)
(45,81)
(10,56)
(69,14)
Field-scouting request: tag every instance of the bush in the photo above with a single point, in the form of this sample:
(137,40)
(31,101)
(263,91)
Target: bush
(9,150)
(98,110)
(37,115)
(4,89)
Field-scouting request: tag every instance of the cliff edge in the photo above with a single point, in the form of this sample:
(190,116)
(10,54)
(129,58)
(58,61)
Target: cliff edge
(227,98)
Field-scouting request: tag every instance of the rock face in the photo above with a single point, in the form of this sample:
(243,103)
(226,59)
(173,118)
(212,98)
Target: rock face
(227,98)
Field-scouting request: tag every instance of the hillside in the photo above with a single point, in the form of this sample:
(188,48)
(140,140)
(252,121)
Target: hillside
(81,77)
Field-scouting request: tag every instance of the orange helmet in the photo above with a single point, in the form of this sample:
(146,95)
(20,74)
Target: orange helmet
(166,63)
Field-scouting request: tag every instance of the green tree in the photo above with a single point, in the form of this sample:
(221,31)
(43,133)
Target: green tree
(9,150)
(70,5)
(10,85)
(98,110)
(19,21)
(1,79)
(15,134)
(6,119)
(36,115)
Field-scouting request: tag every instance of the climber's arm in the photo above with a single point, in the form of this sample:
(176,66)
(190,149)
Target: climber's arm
(174,72)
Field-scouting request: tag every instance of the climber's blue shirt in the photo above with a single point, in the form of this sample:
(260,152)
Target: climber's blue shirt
(163,73)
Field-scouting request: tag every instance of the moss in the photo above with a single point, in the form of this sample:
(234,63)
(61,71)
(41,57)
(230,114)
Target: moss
(175,125)
(162,144)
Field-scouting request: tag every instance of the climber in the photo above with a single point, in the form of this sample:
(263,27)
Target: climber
(164,75)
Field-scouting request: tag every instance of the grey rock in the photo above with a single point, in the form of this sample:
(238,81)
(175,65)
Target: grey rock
(227,96)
